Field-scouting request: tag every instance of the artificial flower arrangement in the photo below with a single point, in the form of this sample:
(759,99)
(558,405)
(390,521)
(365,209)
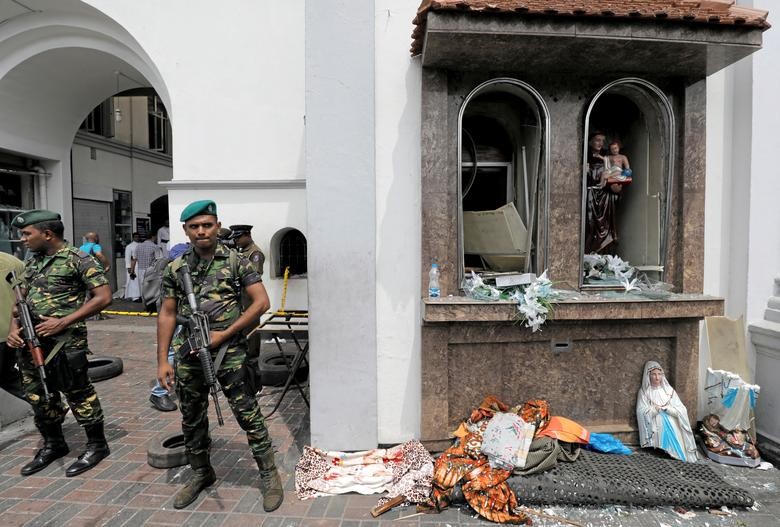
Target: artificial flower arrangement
(534,300)
(613,270)
(608,266)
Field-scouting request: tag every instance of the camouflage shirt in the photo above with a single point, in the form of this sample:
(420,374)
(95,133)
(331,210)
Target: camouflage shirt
(57,286)
(218,293)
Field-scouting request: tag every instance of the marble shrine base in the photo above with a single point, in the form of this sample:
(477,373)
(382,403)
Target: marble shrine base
(586,360)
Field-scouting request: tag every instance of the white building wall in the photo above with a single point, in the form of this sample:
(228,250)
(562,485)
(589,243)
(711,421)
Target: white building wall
(742,248)
(764,220)
(96,179)
(398,243)
(268,210)
(235,76)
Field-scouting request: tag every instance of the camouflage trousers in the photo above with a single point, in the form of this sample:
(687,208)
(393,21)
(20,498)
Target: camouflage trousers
(66,373)
(194,401)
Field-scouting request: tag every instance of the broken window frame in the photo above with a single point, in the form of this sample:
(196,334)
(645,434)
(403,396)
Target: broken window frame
(665,112)
(540,216)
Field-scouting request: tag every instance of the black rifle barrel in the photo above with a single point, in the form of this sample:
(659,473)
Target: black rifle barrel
(199,334)
(28,328)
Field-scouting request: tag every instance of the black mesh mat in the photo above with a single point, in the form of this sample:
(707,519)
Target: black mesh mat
(639,479)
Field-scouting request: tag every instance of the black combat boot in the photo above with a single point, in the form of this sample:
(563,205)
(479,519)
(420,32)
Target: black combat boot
(203,476)
(270,482)
(54,447)
(97,449)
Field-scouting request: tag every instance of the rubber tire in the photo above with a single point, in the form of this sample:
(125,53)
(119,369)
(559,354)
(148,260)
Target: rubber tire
(273,370)
(166,450)
(103,368)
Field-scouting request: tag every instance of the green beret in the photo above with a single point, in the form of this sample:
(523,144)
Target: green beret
(196,208)
(31,217)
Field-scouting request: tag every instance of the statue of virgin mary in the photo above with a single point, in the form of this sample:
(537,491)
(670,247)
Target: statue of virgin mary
(662,417)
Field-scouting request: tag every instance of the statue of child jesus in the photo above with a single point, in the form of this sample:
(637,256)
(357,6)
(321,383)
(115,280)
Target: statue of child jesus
(616,167)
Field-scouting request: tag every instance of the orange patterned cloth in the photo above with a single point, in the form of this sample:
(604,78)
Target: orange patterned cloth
(484,488)
(536,411)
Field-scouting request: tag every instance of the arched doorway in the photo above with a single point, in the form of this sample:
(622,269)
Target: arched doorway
(634,119)
(158,212)
(503,147)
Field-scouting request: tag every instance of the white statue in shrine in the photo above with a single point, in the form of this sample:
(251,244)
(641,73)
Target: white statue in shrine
(662,417)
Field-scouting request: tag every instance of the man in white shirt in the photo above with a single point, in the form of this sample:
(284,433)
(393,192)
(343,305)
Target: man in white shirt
(164,238)
(132,283)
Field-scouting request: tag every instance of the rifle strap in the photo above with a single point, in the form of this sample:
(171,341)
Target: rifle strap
(220,356)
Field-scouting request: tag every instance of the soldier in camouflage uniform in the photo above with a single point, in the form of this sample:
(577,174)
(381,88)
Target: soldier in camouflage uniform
(219,276)
(56,281)
(241,236)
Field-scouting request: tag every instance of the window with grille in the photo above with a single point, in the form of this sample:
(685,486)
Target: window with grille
(292,253)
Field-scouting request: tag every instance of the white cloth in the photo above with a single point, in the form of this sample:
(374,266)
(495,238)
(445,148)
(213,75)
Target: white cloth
(663,418)
(164,239)
(132,286)
(730,398)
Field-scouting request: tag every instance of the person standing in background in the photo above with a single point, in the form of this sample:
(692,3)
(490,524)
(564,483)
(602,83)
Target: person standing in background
(132,283)
(145,254)
(93,248)
(164,238)
(241,236)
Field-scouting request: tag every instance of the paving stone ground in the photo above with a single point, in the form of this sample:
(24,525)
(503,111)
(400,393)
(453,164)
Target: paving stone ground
(125,491)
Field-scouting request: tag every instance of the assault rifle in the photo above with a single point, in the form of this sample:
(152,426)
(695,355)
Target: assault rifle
(200,338)
(30,337)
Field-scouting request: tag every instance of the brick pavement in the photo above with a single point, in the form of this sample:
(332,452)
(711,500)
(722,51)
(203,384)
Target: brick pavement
(125,491)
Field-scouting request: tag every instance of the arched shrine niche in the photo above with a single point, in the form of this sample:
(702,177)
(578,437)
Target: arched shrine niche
(628,165)
(502,196)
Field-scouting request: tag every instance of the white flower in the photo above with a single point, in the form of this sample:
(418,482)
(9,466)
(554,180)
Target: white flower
(629,286)
(617,265)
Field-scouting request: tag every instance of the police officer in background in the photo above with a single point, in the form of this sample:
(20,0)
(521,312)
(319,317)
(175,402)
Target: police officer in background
(242,236)
(220,277)
(56,281)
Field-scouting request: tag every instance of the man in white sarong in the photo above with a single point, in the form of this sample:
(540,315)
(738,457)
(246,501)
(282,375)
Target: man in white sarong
(132,284)
(662,417)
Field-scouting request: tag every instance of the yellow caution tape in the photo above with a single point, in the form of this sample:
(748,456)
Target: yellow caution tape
(130,313)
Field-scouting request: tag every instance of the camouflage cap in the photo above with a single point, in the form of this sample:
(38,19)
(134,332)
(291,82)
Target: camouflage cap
(197,208)
(224,233)
(31,217)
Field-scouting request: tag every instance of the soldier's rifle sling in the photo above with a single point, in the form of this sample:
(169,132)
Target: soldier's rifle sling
(201,338)
(28,328)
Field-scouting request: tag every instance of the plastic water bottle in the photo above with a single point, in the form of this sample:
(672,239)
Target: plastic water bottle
(433,281)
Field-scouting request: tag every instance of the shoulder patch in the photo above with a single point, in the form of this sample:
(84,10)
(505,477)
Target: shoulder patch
(255,257)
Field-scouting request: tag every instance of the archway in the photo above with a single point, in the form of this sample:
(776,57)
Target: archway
(57,63)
